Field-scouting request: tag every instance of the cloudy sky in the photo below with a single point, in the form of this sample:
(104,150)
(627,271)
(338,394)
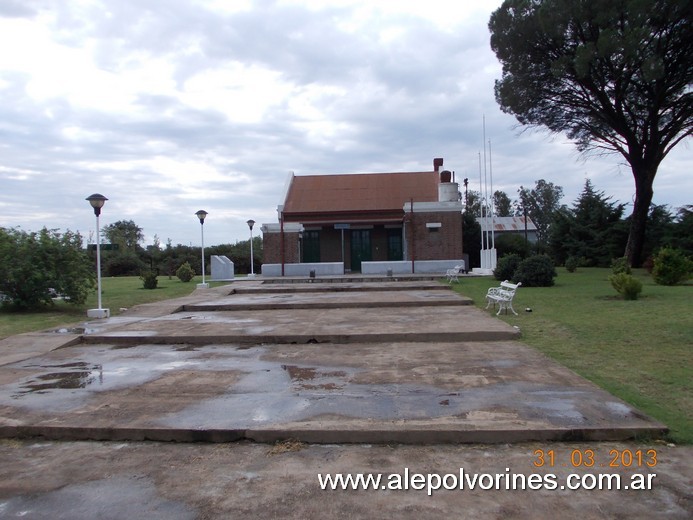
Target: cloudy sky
(167,107)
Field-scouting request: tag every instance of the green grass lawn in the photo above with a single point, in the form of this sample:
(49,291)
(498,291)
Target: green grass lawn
(121,292)
(637,350)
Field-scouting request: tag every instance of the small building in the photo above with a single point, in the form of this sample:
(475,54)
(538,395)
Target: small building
(510,226)
(352,219)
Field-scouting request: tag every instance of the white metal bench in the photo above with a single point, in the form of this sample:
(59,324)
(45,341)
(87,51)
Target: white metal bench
(452,274)
(502,296)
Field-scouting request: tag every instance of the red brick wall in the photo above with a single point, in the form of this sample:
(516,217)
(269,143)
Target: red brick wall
(443,243)
(271,247)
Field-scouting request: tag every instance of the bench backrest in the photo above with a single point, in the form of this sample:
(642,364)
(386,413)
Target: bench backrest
(510,287)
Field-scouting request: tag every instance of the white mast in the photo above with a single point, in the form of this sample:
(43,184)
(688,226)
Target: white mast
(485,182)
(481,210)
(488,235)
(493,204)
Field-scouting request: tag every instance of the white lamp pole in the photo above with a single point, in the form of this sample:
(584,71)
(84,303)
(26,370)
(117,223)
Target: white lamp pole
(97,201)
(251,223)
(201,214)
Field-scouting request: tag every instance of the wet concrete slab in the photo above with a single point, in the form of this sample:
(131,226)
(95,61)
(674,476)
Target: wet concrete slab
(354,297)
(401,392)
(319,325)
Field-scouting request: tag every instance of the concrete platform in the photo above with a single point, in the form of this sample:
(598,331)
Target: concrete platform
(396,373)
(316,297)
(318,325)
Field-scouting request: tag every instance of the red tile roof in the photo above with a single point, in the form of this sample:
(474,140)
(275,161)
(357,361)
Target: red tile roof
(360,192)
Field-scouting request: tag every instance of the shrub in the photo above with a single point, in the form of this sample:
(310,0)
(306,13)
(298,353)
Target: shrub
(149,279)
(671,267)
(536,271)
(185,273)
(620,265)
(119,263)
(571,264)
(626,285)
(34,267)
(506,267)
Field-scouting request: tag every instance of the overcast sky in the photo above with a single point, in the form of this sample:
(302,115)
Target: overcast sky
(170,106)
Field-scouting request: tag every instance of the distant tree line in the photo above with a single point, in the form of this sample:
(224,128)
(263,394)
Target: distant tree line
(593,230)
(130,258)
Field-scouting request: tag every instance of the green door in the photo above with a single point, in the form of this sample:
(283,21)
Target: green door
(394,244)
(360,248)
(311,246)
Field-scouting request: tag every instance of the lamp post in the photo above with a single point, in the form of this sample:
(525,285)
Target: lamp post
(97,201)
(201,214)
(251,223)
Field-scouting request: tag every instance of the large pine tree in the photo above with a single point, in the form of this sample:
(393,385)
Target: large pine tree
(614,75)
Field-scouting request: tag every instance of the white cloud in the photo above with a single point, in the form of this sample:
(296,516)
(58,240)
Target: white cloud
(242,93)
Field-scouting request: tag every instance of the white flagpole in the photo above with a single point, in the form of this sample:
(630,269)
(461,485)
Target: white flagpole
(481,210)
(493,205)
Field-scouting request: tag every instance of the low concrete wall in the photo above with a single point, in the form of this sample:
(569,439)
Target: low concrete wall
(404,266)
(397,266)
(436,266)
(337,268)
(320,268)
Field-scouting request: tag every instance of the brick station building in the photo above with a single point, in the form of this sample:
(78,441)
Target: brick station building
(355,218)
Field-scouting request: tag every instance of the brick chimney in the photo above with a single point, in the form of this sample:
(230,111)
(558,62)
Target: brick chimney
(437,163)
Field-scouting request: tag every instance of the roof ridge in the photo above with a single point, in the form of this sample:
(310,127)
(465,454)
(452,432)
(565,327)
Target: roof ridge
(362,173)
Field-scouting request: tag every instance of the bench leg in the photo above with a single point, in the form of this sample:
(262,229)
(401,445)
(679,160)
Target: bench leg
(506,306)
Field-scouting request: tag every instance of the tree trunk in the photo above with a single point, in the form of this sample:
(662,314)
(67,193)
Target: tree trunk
(641,208)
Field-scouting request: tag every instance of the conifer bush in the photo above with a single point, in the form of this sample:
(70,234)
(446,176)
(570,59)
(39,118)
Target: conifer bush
(571,264)
(671,267)
(149,280)
(185,273)
(626,285)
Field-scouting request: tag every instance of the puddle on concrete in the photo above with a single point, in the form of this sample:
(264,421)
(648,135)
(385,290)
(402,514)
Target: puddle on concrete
(71,376)
(114,497)
(54,386)
(210,316)
(277,394)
